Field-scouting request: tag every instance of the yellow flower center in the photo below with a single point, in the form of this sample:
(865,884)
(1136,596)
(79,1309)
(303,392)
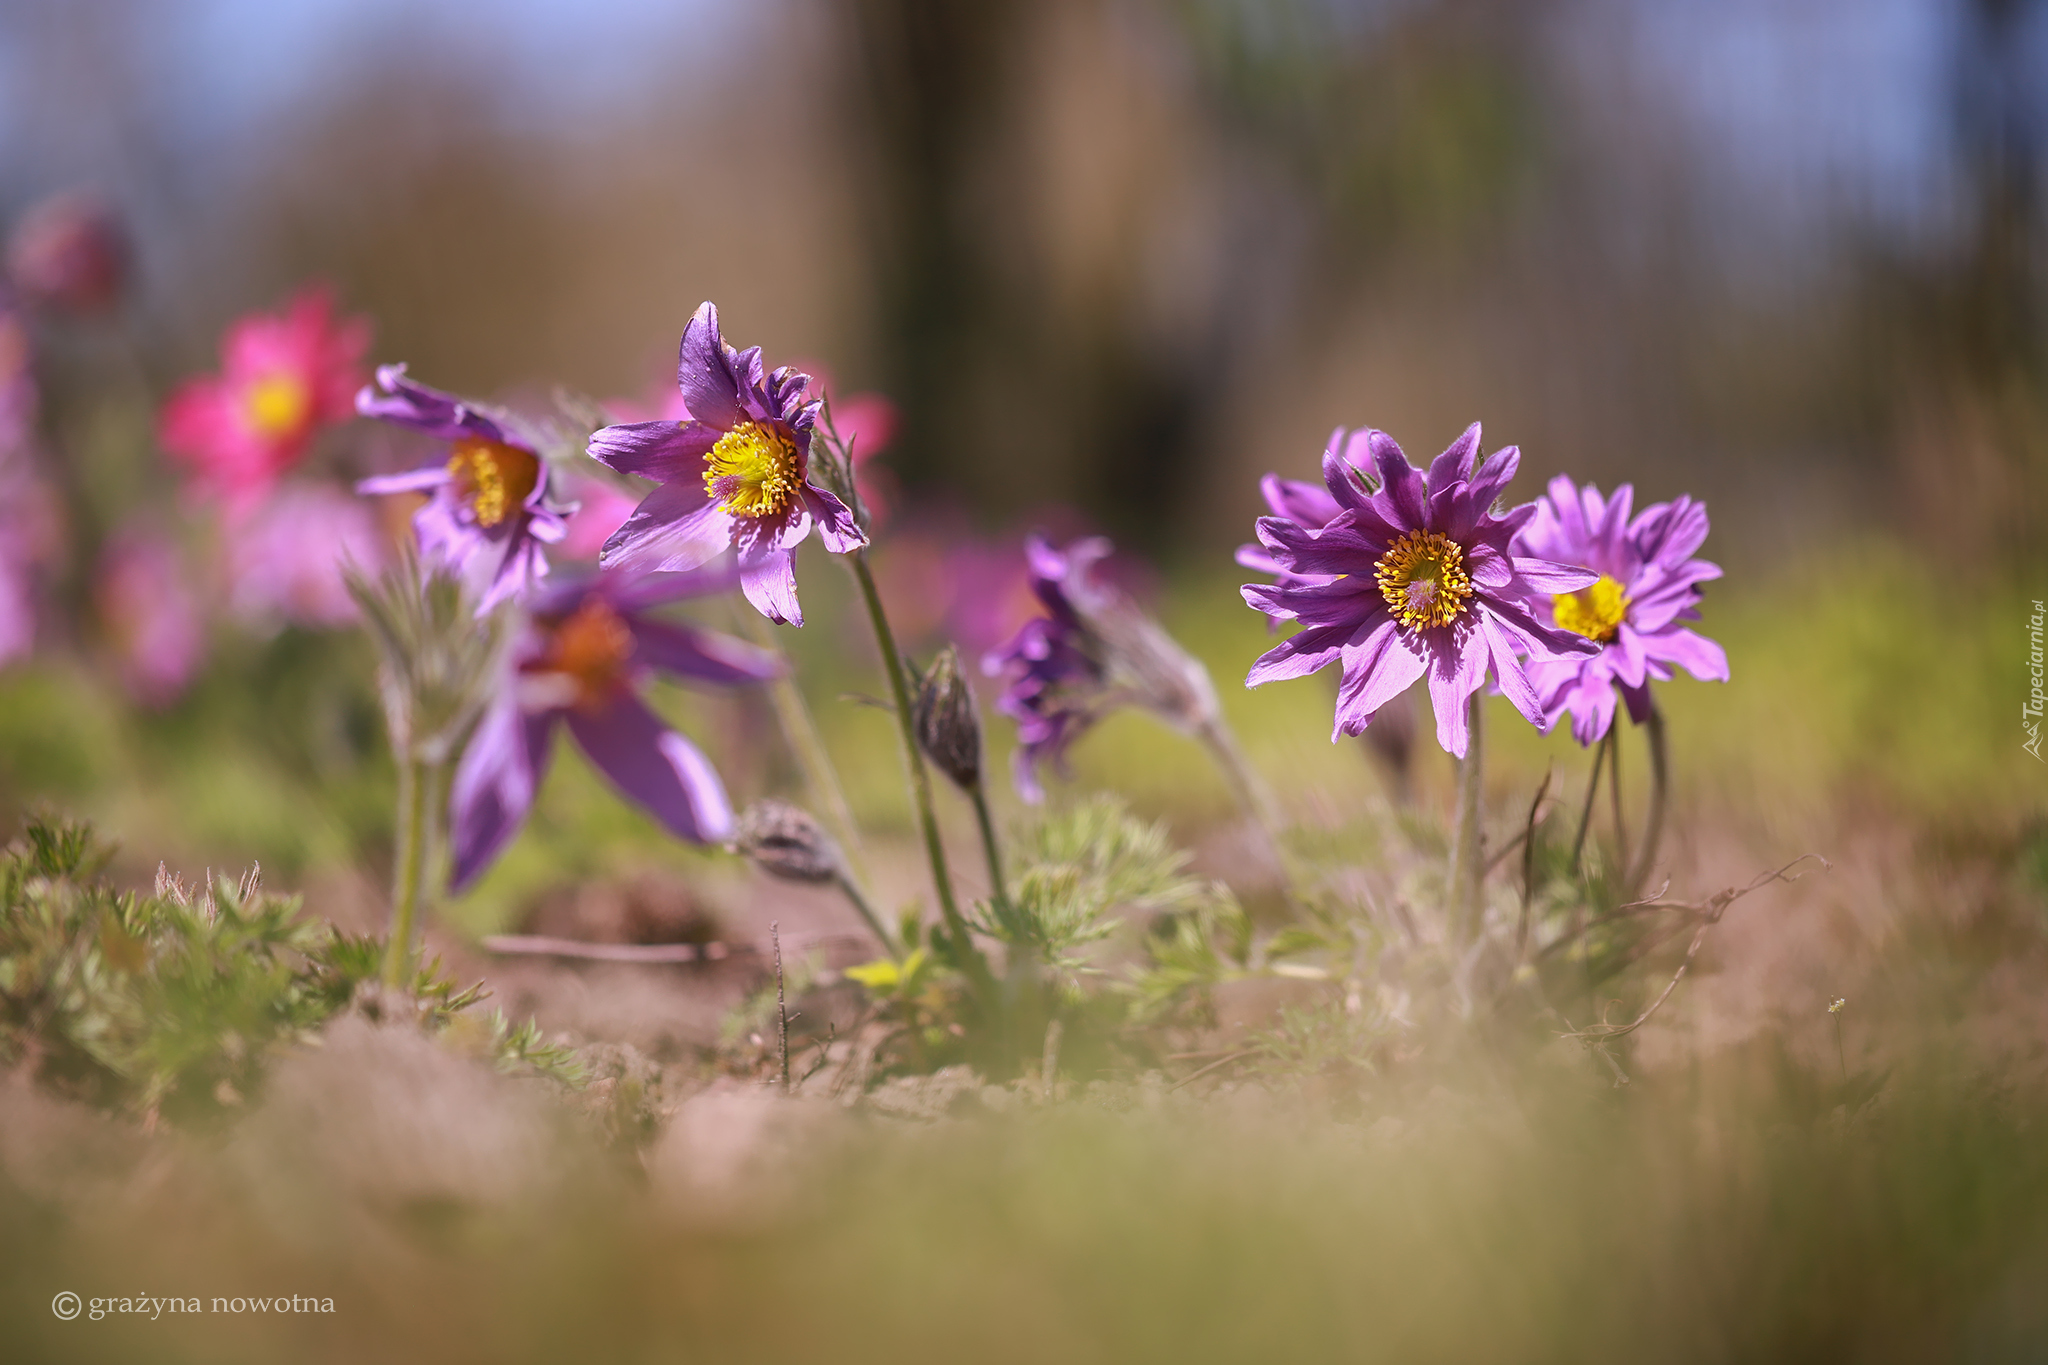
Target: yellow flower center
(590,648)
(278,405)
(492,477)
(1593,612)
(1423,579)
(752,471)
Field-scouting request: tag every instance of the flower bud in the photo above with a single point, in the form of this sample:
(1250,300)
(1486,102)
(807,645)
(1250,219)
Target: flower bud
(948,729)
(69,253)
(784,841)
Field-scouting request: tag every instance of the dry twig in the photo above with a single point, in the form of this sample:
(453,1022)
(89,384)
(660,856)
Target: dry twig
(1706,915)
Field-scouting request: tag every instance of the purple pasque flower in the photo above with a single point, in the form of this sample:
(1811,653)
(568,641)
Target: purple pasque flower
(1094,650)
(735,472)
(488,510)
(1648,583)
(586,647)
(1414,579)
(1054,676)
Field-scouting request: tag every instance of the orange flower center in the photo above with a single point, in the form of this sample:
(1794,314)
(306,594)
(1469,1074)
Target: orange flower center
(492,477)
(590,649)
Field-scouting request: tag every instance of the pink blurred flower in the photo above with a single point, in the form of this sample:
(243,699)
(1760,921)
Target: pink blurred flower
(31,533)
(17,382)
(603,510)
(285,560)
(69,252)
(283,377)
(151,615)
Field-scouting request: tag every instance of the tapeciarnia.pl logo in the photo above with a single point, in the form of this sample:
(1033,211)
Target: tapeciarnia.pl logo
(2030,713)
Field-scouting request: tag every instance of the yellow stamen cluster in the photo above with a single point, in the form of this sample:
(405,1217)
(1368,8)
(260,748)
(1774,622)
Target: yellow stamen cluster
(752,471)
(591,648)
(492,477)
(278,404)
(1594,612)
(1423,578)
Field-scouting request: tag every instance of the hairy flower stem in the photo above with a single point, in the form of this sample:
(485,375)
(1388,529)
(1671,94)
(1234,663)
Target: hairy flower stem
(1253,796)
(793,715)
(416,783)
(1468,859)
(1621,863)
(1592,790)
(1660,779)
(851,890)
(997,891)
(971,960)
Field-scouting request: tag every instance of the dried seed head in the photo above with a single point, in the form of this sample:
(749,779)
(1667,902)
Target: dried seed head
(784,841)
(948,727)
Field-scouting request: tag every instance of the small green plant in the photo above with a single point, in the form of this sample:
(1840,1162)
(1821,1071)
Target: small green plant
(168,1004)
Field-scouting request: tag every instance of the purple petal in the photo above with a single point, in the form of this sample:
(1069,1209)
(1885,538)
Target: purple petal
(1457,669)
(1514,682)
(414,481)
(655,768)
(1334,550)
(1308,503)
(837,527)
(1694,653)
(1455,464)
(662,451)
(704,374)
(522,566)
(700,654)
(1402,497)
(1489,568)
(1300,655)
(1378,669)
(676,527)
(1591,701)
(1341,477)
(1545,575)
(494,785)
(768,576)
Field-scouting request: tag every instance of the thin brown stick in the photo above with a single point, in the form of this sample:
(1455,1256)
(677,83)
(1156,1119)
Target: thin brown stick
(1219,1062)
(781,1005)
(646,954)
(1709,913)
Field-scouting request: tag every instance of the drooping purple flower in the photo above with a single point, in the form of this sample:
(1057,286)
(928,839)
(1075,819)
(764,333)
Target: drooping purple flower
(1648,584)
(1094,650)
(736,472)
(488,512)
(1416,579)
(579,662)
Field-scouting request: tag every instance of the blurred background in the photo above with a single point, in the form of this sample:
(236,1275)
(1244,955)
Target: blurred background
(1110,261)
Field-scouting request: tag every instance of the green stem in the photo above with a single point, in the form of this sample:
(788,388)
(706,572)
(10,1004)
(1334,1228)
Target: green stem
(1621,863)
(793,714)
(1660,778)
(852,892)
(1467,857)
(971,960)
(1253,796)
(997,890)
(1592,790)
(407,861)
